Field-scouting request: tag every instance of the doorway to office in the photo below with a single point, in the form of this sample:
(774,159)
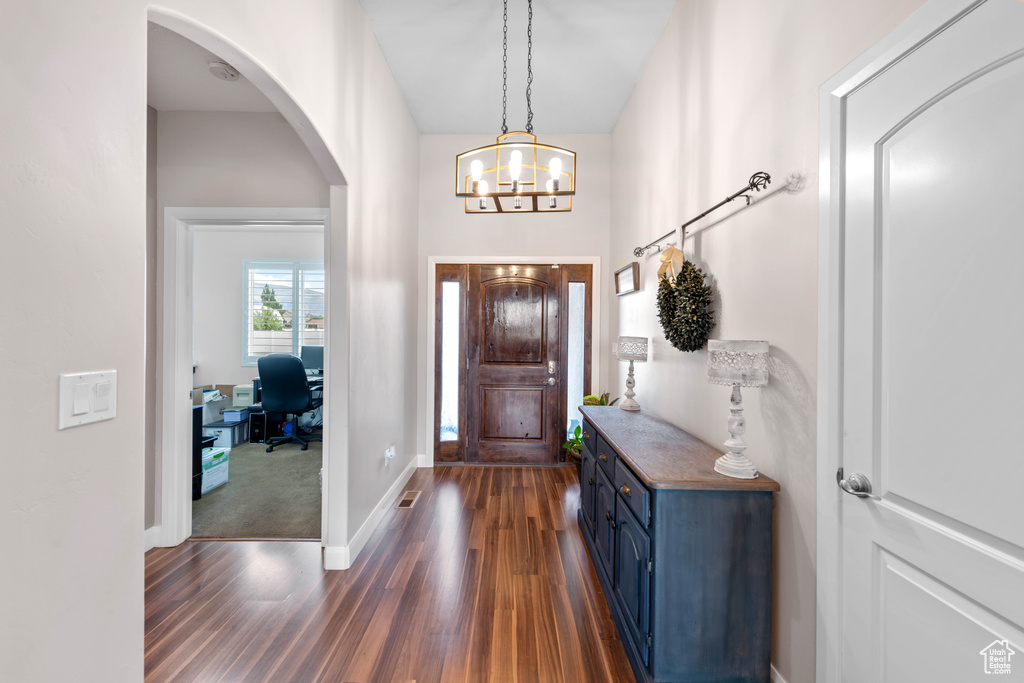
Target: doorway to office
(257,295)
(172,378)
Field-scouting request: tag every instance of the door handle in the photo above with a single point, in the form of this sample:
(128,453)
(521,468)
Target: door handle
(551,381)
(856,484)
(551,367)
(608,516)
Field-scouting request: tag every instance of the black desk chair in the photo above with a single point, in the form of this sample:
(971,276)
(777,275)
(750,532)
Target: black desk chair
(285,390)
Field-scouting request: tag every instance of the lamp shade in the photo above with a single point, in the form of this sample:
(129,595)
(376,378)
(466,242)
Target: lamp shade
(741,363)
(633,348)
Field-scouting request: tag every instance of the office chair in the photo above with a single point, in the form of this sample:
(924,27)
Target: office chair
(285,390)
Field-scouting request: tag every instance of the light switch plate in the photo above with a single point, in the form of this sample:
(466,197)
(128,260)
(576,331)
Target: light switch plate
(87,397)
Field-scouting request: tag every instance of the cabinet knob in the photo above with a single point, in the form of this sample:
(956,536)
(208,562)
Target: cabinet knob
(604,457)
(608,515)
(625,489)
(591,481)
(586,435)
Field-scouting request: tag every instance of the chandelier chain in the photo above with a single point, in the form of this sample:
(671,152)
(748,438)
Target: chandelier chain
(529,67)
(504,72)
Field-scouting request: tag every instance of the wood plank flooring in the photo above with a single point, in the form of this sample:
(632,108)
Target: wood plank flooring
(486,578)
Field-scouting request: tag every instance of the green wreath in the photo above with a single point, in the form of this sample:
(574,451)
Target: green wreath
(683,308)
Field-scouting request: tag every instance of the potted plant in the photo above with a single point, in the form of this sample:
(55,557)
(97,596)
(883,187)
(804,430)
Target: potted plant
(574,447)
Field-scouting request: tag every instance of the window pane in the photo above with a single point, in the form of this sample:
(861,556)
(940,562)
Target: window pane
(577,319)
(450,361)
(270,304)
(311,332)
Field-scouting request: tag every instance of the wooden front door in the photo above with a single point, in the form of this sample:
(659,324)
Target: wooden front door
(513,346)
(512,360)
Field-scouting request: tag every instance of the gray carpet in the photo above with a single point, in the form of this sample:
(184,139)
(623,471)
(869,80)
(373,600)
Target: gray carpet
(268,495)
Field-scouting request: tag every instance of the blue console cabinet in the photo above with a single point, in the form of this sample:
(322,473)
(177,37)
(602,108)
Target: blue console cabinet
(683,553)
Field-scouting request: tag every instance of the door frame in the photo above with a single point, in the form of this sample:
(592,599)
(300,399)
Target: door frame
(431,293)
(174,349)
(919,28)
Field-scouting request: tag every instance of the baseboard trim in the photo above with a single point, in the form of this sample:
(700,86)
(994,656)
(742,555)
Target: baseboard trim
(342,557)
(776,676)
(151,538)
(425,460)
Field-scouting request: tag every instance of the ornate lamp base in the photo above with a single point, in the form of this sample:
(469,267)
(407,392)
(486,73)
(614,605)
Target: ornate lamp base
(628,403)
(736,465)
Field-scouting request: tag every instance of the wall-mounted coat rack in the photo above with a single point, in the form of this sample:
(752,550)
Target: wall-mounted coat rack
(757,182)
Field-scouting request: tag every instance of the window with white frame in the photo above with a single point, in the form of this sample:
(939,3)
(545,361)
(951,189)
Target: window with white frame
(282,307)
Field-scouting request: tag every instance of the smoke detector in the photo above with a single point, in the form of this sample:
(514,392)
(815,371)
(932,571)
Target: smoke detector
(223,70)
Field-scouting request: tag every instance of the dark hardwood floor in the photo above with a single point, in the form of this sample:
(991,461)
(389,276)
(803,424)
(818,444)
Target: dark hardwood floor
(486,578)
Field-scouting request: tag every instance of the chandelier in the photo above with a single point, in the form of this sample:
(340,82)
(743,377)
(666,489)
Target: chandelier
(517,174)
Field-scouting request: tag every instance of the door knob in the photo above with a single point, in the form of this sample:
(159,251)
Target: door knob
(551,381)
(856,484)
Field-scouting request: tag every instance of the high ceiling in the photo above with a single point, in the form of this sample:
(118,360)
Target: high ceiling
(587,56)
(446,56)
(180,80)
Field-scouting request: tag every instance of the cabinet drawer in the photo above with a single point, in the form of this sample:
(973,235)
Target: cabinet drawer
(589,436)
(605,457)
(633,492)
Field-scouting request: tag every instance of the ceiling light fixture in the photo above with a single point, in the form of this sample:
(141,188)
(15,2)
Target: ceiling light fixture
(497,178)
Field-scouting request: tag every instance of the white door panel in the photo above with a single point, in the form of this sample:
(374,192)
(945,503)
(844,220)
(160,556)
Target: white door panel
(932,245)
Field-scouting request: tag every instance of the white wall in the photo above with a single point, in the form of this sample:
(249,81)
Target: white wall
(250,159)
(217,294)
(151,497)
(731,88)
(73,192)
(446,230)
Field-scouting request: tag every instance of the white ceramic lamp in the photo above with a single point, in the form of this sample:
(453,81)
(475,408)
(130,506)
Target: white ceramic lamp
(633,349)
(739,364)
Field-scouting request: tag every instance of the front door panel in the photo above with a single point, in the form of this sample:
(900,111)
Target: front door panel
(513,386)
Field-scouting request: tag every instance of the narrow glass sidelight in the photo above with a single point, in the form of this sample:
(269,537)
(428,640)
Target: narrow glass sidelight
(575,361)
(450,302)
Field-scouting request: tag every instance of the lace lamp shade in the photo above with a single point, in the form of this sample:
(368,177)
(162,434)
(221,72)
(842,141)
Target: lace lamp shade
(633,349)
(738,363)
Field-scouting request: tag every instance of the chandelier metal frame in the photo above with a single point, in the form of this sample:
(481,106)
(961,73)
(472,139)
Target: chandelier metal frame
(509,176)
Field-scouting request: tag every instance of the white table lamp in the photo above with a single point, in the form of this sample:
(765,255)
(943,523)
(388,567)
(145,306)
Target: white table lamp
(633,349)
(740,364)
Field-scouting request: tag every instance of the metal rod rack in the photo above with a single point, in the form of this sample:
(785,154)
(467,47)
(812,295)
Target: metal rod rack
(757,182)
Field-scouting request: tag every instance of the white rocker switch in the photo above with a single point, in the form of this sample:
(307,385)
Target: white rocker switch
(80,402)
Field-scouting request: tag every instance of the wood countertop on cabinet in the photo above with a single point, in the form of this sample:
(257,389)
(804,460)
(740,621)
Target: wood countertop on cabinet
(663,455)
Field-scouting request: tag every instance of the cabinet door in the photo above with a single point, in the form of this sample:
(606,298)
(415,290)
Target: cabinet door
(587,486)
(632,582)
(604,520)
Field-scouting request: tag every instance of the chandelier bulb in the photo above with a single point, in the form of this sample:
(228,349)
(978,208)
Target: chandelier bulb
(478,170)
(555,166)
(482,189)
(515,165)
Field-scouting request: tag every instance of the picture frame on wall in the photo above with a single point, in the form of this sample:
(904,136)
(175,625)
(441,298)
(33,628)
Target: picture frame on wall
(627,279)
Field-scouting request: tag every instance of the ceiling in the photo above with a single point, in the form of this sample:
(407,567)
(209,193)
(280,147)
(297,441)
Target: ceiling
(180,80)
(447,59)
(587,56)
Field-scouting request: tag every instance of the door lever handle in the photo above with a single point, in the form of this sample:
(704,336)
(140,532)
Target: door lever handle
(856,484)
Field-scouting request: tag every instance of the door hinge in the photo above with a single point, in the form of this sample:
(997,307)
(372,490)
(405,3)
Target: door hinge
(648,641)
(650,566)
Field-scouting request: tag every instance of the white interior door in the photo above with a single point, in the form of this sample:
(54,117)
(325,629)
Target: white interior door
(931,367)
